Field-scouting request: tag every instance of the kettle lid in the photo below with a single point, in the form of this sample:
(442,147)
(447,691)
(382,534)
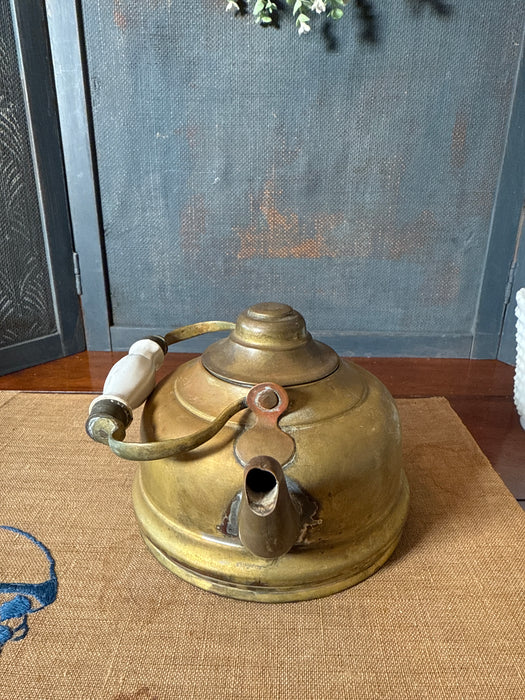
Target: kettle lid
(270,343)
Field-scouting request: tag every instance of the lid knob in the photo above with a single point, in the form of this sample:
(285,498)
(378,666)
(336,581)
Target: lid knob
(269,325)
(270,343)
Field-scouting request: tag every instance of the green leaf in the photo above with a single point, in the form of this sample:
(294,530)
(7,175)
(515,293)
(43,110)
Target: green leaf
(336,13)
(265,19)
(259,7)
(297,6)
(302,18)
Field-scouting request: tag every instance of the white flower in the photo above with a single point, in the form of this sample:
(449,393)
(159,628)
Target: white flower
(231,5)
(319,6)
(304,28)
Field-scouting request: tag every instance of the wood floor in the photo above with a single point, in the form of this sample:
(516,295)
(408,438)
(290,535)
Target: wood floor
(480,391)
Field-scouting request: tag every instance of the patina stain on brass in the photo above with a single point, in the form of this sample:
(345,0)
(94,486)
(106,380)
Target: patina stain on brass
(270,469)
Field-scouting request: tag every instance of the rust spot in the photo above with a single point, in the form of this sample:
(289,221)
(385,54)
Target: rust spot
(193,225)
(119,16)
(459,140)
(277,233)
(122,11)
(284,235)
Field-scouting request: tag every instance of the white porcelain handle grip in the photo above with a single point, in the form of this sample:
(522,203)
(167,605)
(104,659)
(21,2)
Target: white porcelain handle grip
(128,384)
(132,379)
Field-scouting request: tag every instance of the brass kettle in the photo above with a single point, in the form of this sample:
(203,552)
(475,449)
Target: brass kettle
(270,467)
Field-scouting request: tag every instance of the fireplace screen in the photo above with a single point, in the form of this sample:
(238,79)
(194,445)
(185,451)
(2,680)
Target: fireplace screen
(26,303)
(350,172)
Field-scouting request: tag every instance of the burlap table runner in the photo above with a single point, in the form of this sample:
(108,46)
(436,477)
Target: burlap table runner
(443,619)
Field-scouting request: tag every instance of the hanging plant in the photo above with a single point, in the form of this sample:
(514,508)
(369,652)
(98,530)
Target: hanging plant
(265,11)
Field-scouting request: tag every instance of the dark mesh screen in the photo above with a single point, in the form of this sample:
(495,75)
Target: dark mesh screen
(354,180)
(26,304)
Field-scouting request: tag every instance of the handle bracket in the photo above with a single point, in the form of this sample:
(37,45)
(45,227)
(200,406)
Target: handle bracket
(268,402)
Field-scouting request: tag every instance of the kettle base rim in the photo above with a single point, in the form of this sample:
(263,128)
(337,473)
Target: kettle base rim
(268,594)
(342,576)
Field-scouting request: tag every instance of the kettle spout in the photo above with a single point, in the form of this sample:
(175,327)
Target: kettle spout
(269,523)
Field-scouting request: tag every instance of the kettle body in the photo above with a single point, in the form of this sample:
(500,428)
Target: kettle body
(327,514)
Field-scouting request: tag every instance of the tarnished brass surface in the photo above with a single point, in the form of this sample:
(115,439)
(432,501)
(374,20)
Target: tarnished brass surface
(251,591)
(347,459)
(195,329)
(270,343)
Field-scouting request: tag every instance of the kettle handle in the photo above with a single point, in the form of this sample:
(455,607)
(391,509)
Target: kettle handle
(132,379)
(149,451)
(266,401)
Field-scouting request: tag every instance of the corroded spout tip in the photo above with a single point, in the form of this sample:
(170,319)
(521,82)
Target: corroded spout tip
(269,523)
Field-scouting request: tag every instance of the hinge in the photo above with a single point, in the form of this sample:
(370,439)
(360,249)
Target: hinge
(510,282)
(76,270)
